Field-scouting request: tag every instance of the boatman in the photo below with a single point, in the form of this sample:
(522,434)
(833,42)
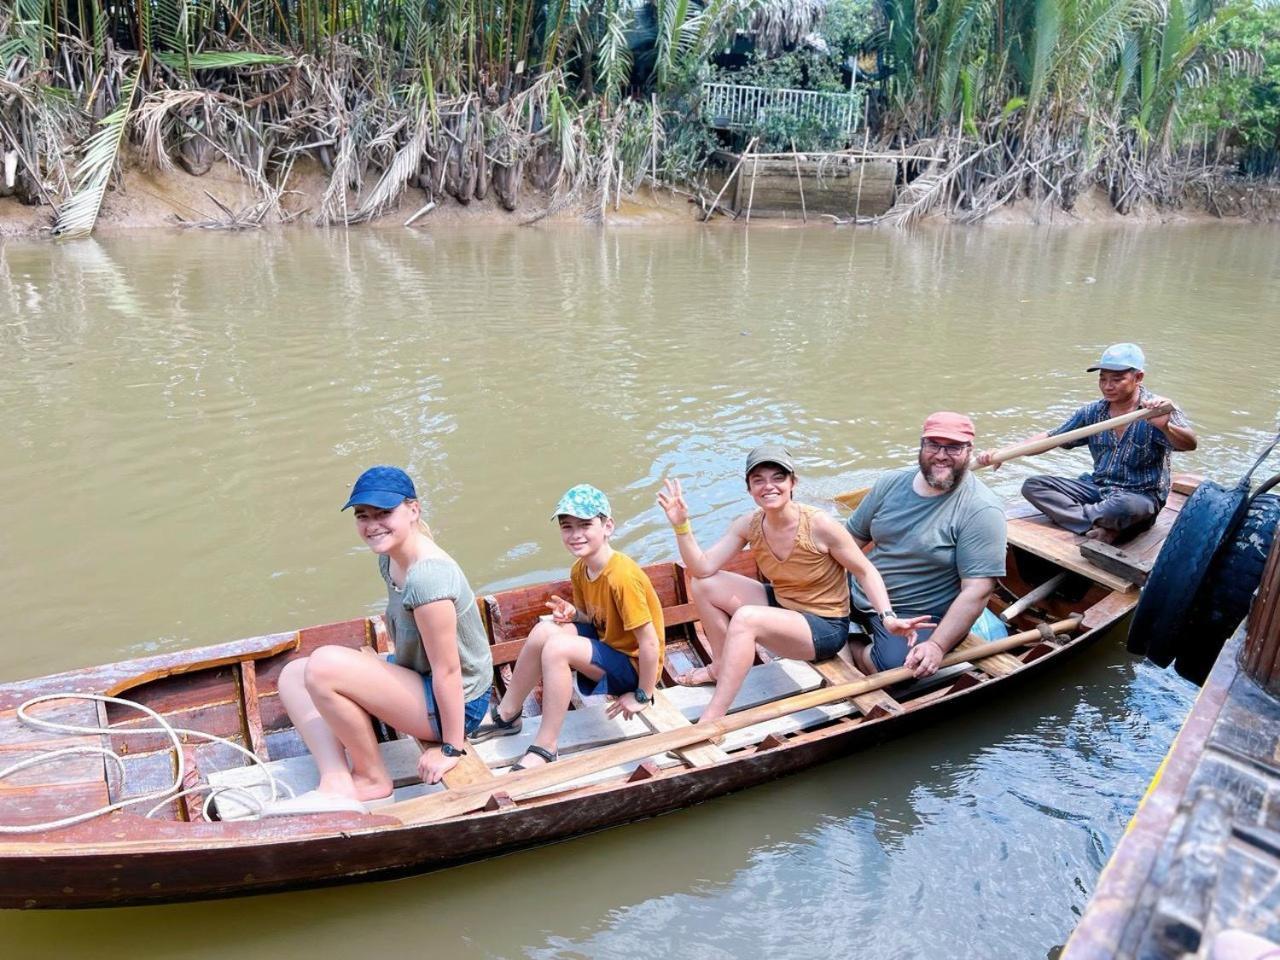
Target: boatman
(939,544)
(1130,479)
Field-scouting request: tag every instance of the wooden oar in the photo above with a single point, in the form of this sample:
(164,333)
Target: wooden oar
(452,803)
(1032,447)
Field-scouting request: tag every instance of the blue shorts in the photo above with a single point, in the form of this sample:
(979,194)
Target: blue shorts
(619,672)
(888,650)
(473,713)
(829,634)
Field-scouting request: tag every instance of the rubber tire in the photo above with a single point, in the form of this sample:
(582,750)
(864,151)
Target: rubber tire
(1224,598)
(1208,517)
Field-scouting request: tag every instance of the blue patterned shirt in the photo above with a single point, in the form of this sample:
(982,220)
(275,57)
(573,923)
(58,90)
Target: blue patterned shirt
(1138,461)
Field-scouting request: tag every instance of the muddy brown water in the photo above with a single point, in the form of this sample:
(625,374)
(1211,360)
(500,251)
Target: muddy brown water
(184,415)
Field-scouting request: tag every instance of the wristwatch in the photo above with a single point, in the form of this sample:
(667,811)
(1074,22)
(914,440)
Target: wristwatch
(642,698)
(449,750)
(886,614)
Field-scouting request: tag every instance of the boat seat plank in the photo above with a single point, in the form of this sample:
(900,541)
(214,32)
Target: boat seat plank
(838,670)
(1001,665)
(1039,536)
(299,774)
(469,769)
(590,727)
(662,715)
(1033,532)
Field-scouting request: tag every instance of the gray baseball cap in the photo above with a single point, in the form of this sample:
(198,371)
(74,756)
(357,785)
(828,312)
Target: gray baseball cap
(771,453)
(1120,356)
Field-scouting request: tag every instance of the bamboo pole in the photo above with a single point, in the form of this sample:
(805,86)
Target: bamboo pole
(804,213)
(451,803)
(736,167)
(751,197)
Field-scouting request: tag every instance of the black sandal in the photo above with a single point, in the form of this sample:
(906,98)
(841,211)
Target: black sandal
(496,727)
(548,755)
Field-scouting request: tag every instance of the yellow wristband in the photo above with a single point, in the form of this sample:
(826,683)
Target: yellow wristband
(683,528)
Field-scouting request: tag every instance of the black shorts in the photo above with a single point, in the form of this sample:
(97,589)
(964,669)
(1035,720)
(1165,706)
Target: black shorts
(829,634)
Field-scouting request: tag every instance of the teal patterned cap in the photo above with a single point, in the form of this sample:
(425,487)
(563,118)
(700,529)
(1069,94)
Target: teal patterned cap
(584,502)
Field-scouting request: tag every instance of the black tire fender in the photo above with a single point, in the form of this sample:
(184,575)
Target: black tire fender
(1208,517)
(1224,598)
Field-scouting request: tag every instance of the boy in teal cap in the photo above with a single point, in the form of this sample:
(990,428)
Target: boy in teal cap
(611,635)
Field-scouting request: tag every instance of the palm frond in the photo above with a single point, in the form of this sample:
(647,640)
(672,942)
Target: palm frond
(78,215)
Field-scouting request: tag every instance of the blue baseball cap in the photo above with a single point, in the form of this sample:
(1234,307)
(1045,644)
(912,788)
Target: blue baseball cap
(1121,356)
(584,502)
(382,487)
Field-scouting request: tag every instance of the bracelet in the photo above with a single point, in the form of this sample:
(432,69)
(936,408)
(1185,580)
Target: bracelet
(682,528)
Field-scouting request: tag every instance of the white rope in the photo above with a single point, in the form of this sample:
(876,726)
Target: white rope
(165,796)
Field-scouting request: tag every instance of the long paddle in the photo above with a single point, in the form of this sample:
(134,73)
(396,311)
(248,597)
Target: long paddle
(1032,447)
(452,803)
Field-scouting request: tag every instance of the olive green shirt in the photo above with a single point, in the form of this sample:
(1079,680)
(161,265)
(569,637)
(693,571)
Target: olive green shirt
(429,580)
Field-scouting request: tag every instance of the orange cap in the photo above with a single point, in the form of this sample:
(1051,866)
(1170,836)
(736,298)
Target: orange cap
(948,426)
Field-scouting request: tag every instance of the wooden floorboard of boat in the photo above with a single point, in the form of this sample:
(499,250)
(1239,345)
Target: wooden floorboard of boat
(1033,532)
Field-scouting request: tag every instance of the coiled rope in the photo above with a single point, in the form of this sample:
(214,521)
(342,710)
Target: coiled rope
(164,796)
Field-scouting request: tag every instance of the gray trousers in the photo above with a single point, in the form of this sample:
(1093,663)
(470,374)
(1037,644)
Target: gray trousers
(1078,505)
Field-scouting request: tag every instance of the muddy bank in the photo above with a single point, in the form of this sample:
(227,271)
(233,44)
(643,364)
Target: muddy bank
(220,199)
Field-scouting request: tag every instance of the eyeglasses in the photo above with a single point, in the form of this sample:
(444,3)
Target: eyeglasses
(950,449)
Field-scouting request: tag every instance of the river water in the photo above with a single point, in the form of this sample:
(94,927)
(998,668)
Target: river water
(184,415)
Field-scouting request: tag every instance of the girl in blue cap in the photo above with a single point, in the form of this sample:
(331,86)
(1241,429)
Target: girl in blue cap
(436,685)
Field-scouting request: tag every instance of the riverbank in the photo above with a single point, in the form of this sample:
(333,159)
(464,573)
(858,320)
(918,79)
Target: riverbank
(148,199)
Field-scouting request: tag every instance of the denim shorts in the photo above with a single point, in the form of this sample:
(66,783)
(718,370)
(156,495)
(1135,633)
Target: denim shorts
(473,712)
(888,650)
(619,672)
(829,634)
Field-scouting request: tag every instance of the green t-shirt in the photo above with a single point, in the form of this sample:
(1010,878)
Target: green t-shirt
(924,546)
(429,580)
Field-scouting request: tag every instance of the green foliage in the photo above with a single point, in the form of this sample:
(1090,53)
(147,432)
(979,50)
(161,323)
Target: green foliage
(1243,104)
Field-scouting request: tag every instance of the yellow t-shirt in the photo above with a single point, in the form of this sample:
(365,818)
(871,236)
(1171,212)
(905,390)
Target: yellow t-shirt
(620,601)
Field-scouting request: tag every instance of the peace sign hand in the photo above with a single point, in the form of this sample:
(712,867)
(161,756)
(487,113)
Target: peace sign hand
(671,500)
(562,611)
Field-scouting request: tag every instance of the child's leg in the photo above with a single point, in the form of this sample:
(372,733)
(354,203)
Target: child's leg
(347,687)
(528,668)
(717,598)
(561,656)
(783,632)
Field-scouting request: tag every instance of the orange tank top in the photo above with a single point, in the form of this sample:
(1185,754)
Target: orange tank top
(808,580)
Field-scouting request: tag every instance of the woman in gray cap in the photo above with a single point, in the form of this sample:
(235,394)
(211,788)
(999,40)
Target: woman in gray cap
(802,610)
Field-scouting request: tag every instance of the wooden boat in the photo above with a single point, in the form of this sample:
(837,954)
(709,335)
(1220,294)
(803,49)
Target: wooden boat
(791,716)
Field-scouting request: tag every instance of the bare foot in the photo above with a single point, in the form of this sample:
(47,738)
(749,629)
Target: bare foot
(698,677)
(1101,534)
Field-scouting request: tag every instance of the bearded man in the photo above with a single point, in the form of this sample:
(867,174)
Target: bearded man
(939,543)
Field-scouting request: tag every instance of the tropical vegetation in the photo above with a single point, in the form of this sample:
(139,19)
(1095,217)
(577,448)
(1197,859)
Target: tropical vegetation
(989,100)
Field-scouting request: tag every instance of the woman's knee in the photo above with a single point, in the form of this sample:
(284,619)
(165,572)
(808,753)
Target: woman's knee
(326,667)
(293,676)
(747,619)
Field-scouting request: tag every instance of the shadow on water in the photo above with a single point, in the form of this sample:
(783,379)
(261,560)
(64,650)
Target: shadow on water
(921,847)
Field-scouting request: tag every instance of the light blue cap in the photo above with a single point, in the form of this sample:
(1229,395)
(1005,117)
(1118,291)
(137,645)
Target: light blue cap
(584,502)
(1121,356)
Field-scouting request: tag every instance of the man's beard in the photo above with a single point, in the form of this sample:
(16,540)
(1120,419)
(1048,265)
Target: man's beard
(946,483)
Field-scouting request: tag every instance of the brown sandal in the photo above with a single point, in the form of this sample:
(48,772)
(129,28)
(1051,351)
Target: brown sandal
(697,677)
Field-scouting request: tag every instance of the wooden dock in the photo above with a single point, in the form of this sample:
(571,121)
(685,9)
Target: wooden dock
(804,187)
(1202,854)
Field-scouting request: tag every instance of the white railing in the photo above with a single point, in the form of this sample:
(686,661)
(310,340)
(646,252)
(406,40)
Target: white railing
(731,106)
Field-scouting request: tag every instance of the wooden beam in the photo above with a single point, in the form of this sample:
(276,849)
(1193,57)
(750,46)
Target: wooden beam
(663,715)
(1114,560)
(837,670)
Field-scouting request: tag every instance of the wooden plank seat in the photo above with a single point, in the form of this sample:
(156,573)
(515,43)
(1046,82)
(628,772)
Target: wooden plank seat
(583,729)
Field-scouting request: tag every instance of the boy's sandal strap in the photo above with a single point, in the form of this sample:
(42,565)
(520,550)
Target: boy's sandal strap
(550,756)
(495,717)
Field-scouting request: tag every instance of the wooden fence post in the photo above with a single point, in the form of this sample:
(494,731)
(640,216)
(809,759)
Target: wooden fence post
(1261,656)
